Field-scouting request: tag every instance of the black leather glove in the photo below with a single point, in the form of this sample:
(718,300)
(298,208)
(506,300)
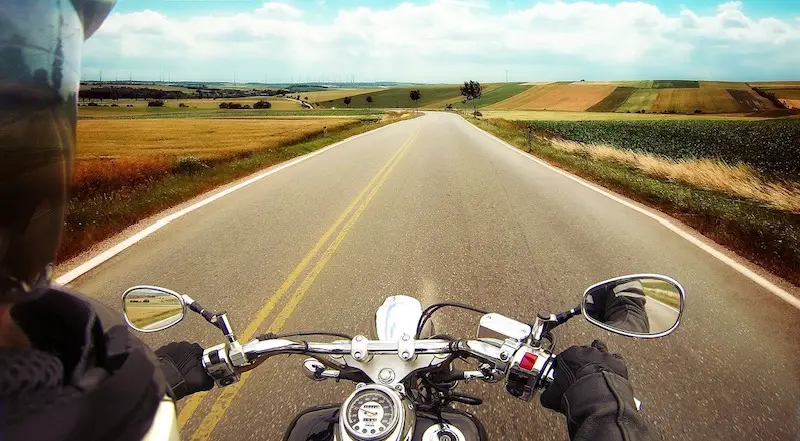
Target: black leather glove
(183,369)
(575,363)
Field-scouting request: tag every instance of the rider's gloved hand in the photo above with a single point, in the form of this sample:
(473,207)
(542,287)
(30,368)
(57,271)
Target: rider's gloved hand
(591,389)
(576,363)
(183,369)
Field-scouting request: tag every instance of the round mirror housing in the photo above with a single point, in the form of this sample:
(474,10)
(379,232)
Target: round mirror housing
(638,305)
(151,308)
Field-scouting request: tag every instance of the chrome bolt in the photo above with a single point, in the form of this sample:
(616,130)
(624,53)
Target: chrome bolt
(359,338)
(406,355)
(386,375)
(357,355)
(405,337)
(504,356)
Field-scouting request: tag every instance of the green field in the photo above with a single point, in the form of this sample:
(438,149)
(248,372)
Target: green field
(675,84)
(558,115)
(641,99)
(614,100)
(764,145)
(397,97)
(493,93)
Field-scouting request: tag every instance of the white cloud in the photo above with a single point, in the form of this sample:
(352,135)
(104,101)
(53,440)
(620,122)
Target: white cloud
(443,40)
(277,9)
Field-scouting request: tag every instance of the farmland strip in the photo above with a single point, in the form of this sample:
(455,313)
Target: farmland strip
(614,100)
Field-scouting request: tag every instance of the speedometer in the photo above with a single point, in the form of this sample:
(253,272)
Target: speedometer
(370,414)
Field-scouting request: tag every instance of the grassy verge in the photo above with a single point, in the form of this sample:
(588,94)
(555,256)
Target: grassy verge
(763,235)
(95,216)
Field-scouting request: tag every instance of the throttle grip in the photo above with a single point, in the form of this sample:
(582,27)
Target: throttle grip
(548,379)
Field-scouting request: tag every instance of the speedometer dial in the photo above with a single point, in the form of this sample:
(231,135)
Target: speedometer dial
(371,414)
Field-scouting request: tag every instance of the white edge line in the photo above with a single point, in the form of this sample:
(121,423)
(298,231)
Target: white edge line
(764,283)
(161,223)
(663,304)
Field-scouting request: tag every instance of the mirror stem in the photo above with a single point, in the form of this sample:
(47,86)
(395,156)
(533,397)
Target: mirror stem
(562,317)
(225,326)
(196,307)
(219,320)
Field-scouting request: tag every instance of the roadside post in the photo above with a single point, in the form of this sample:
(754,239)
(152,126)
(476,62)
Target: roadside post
(530,139)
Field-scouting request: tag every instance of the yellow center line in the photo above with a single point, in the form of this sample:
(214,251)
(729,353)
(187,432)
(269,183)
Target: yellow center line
(223,402)
(193,402)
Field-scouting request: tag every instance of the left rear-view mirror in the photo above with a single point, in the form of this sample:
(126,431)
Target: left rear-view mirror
(151,308)
(639,305)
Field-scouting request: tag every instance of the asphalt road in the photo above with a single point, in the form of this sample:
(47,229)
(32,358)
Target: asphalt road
(457,216)
(660,316)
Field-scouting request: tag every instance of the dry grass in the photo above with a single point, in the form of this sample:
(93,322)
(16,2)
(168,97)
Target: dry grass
(205,138)
(569,97)
(792,104)
(737,180)
(708,100)
(777,85)
(333,94)
(115,153)
(724,85)
(789,94)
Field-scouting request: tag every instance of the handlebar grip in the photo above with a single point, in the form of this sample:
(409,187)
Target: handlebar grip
(548,379)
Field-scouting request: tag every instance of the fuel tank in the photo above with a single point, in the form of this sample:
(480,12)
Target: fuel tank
(321,423)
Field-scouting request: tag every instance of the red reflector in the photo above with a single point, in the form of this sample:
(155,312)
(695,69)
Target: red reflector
(528,360)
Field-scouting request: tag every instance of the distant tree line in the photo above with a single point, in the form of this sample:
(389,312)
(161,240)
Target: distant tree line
(147,93)
(770,96)
(234,105)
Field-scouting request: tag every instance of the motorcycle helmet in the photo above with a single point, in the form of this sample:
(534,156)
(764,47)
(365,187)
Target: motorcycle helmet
(40,67)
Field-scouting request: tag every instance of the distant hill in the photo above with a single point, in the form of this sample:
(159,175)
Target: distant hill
(667,96)
(399,97)
(645,96)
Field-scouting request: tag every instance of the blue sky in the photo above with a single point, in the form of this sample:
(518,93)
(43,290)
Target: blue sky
(446,40)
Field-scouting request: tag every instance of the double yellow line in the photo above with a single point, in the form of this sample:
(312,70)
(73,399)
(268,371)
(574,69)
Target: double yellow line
(359,204)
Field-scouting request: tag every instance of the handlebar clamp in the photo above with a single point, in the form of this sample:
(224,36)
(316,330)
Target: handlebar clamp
(219,366)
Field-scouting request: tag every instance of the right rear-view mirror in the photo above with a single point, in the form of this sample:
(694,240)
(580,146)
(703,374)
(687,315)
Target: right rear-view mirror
(639,305)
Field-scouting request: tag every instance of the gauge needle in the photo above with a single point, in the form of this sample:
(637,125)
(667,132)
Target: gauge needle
(369,413)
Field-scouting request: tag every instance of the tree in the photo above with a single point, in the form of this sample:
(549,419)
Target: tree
(347,101)
(471,90)
(415,95)
(369,99)
(261,104)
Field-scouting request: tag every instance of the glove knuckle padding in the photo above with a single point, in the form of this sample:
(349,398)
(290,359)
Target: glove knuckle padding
(181,363)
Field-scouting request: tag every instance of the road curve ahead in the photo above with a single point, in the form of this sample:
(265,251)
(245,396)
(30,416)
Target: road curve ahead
(434,208)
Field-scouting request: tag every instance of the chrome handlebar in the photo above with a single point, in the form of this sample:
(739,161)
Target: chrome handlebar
(224,362)
(260,348)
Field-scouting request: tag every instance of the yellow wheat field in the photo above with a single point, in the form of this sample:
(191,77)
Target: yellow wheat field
(205,138)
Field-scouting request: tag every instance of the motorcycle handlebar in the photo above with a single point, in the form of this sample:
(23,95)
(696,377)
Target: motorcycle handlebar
(268,348)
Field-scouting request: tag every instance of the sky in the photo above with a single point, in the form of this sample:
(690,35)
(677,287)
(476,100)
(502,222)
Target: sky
(445,41)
